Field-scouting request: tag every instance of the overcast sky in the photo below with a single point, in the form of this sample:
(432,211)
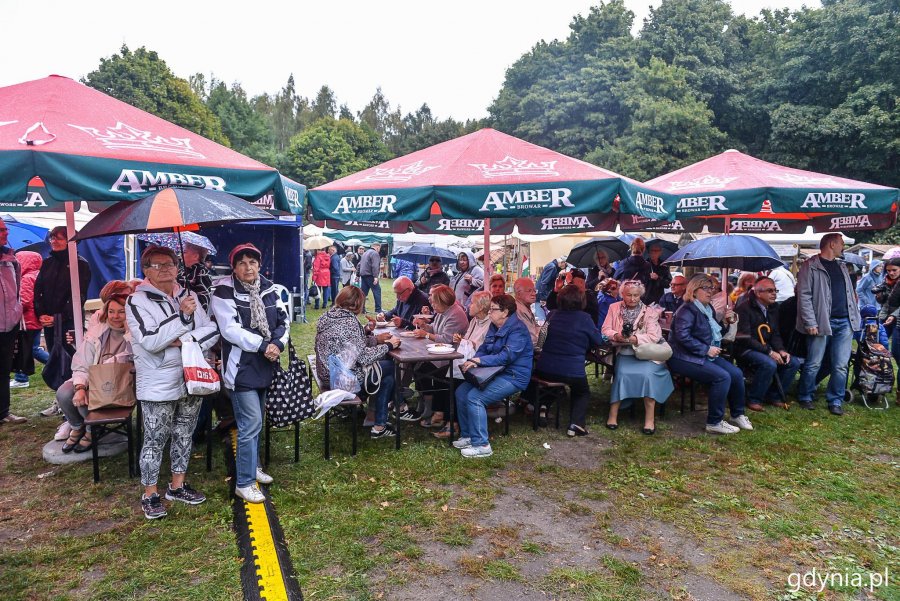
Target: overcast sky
(452,55)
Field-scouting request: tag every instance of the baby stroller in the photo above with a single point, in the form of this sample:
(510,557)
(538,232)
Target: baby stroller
(873,369)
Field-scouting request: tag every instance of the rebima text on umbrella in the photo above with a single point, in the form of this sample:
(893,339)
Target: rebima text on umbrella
(566,223)
(146,181)
(754,225)
(460,224)
(851,221)
(527,199)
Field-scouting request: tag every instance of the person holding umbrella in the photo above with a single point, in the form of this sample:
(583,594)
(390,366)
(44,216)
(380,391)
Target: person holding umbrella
(469,278)
(658,276)
(159,314)
(322,277)
(696,339)
(255,326)
(194,275)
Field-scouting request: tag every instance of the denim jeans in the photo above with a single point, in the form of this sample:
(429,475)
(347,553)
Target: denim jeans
(249,406)
(838,347)
(895,351)
(325,294)
(725,381)
(367,283)
(471,403)
(39,354)
(762,386)
(335,288)
(385,392)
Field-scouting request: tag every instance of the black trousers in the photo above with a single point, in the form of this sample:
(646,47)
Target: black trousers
(7,342)
(580,392)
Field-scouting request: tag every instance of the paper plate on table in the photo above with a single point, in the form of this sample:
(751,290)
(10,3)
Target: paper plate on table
(440,349)
(423,316)
(407,334)
(382,324)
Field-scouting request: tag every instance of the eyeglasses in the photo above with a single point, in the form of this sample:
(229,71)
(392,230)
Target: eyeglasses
(492,309)
(708,288)
(162,266)
(770,290)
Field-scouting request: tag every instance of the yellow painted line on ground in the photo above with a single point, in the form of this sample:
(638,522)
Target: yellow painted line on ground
(268,570)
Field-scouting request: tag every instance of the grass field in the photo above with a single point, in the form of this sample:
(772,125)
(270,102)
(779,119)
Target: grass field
(616,515)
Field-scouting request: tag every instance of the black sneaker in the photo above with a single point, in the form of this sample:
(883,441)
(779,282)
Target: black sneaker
(153,507)
(835,410)
(387,432)
(410,416)
(185,494)
(807,405)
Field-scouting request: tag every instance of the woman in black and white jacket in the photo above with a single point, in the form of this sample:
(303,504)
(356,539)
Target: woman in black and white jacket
(255,328)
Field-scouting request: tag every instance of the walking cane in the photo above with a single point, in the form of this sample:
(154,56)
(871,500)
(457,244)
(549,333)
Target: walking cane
(762,341)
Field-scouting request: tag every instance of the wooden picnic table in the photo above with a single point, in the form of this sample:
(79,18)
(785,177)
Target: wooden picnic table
(413,351)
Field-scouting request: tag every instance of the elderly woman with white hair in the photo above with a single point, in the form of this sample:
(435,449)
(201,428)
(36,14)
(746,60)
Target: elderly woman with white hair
(630,323)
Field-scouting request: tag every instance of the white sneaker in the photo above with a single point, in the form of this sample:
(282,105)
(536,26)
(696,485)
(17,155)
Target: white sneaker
(722,427)
(484,451)
(262,477)
(742,422)
(251,494)
(51,410)
(462,443)
(62,433)
(16,384)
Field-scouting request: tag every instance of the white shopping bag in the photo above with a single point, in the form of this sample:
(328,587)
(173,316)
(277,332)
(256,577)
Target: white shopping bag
(468,351)
(199,377)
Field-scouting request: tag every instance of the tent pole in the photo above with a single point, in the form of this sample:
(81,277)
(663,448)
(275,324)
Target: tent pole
(303,291)
(488,271)
(73,274)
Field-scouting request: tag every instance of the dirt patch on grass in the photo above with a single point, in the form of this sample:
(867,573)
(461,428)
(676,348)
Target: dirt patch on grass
(583,453)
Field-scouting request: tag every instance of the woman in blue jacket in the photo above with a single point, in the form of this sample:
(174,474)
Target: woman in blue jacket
(254,326)
(508,344)
(696,340)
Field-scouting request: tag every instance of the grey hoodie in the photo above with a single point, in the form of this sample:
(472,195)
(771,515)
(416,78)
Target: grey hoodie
(10,280)
(463,288)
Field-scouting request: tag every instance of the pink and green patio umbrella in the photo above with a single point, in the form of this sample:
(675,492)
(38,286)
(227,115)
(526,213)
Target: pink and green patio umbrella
(735,192)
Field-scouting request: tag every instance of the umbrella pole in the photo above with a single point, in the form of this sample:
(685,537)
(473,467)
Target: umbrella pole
(303,290)
(488,271)
(74,278)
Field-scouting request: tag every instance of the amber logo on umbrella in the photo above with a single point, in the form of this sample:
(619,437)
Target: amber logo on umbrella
(126,137)
(566,223)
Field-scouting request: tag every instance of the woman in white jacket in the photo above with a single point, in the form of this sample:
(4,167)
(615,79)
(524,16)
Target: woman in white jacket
(160,313)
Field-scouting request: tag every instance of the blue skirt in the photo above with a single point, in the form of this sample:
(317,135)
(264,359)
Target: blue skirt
(636,379)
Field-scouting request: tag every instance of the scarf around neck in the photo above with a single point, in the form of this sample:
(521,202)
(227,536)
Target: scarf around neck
(713,324)
(257,309)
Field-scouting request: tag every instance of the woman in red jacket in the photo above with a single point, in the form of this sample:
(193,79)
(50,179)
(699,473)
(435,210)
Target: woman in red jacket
(31,265)
(322,277)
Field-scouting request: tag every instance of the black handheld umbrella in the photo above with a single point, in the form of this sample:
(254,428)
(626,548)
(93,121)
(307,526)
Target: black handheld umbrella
(420,253)
(585,253)
(178,209)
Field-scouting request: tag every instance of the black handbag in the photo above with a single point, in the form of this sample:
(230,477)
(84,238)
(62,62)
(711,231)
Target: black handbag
(289,397)
(59,365)
(481,376)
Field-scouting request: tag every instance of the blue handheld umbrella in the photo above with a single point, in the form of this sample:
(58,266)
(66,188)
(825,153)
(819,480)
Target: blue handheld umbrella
(747,253)
(419,253)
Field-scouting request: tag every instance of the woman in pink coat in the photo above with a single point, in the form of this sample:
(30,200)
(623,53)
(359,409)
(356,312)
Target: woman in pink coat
(628,323)
(321,277)
(30,262)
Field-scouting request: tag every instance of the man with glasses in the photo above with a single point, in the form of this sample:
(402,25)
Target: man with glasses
(525,295)
(433,275)
(10,317)
(828,314)
(759,346)
(410,302)
(160,314)
(53,293)
(673,299)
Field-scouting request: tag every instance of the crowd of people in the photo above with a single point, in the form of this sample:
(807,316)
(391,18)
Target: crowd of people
(657,328)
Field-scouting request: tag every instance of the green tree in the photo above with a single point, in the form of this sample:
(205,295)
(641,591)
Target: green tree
(330,149)
(247,129)
(325,104)
(669,127)
(381,119)
(143,80)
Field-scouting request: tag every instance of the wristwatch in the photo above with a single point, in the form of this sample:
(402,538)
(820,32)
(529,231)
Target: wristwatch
(80,387)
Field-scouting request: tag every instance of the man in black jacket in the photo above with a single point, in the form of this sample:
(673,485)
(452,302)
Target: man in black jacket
(759,346)
(410,301)
(658,278)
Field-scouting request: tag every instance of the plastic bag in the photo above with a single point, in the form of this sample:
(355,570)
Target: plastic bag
(468,351)
(340,369)
(199,378)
